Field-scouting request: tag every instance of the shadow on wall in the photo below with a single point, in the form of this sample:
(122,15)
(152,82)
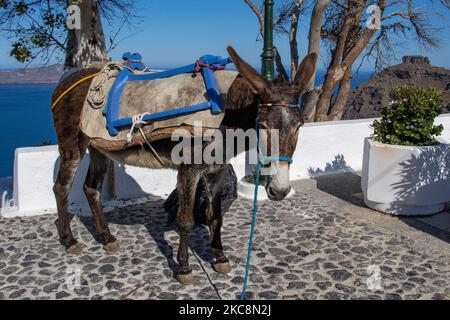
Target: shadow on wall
(424,177)
(338,165)
(339,180)
(431,168)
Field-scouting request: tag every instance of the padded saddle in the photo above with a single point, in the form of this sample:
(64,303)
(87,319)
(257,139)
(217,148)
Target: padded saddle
(137,71)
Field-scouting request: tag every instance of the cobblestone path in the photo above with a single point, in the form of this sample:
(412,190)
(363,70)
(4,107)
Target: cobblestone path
(312,246)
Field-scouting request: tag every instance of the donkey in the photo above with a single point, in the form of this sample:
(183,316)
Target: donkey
(251,100)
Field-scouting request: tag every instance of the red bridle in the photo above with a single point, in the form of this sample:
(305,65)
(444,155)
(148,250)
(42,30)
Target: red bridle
(282,105)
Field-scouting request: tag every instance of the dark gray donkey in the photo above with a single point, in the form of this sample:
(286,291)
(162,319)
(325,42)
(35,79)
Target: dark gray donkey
(244,97)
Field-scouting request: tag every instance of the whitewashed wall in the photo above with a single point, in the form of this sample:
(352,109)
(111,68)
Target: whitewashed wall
(323,148)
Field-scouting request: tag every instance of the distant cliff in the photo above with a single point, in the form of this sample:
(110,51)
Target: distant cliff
(367,100)
(47,74)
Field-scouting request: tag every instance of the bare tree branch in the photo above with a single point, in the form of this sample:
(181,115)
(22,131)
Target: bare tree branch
(259,14)
(280,67)
(293,37)
(315,28)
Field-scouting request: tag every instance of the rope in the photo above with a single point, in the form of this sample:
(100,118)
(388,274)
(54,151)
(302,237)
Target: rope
(199,65)
(260,164)
(138,121)
(252,230)
(72,87)
(97,96)
(254,212)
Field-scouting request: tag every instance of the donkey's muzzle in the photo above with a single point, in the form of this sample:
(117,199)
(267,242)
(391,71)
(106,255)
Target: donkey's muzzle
(278,194)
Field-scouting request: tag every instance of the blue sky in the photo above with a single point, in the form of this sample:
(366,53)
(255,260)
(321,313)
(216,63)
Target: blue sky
(176,32)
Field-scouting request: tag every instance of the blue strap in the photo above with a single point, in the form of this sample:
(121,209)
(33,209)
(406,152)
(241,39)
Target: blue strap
(255,206)
(277,158)
(252,231)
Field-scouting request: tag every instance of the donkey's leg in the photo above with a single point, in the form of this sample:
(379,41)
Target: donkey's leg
(214,187)
(92,187)
(70,156)
(188,178)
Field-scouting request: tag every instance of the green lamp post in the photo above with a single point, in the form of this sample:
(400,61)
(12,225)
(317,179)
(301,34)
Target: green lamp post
(268,55)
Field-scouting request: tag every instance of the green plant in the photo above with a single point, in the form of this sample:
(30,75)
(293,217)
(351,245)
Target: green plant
(409,120)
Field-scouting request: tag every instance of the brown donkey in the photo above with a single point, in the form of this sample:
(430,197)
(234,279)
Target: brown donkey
(249,102)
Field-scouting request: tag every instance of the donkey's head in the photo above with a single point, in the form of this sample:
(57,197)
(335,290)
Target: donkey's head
(278,109)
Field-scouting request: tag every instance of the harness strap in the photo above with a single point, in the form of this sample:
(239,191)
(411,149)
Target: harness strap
(283,105)
(72,87)
(199,65)
(138,121)
(264,158)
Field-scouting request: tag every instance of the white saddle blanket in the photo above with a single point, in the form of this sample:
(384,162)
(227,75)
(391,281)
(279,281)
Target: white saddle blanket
(153,96)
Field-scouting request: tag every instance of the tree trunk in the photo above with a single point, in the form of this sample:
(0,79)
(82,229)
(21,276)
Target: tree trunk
(315,28)
(340,103)
(339,65)
(309,103)
(87,44)
(335,71)
(334,75)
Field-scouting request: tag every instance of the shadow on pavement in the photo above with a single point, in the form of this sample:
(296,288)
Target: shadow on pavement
(347,187)
(157,225)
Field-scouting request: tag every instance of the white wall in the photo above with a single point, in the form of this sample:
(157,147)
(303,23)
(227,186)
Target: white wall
(323,148)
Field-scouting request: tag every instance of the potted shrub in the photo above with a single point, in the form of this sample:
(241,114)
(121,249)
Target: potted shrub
(406,166)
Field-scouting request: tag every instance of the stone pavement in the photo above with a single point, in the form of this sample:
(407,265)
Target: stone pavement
(320,244)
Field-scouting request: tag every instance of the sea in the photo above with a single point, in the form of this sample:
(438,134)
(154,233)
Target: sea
(26,119)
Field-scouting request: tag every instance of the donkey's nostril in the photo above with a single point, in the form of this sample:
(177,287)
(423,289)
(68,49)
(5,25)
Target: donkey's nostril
(270,193)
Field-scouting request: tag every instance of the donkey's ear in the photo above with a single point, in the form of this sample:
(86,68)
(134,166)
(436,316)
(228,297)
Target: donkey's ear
(305,72)
(257,81)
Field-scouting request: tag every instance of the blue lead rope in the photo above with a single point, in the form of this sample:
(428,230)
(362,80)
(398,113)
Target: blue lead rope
(252,231)
(262,158)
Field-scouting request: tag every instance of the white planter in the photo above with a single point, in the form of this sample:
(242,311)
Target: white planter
(402,180)
(247,190)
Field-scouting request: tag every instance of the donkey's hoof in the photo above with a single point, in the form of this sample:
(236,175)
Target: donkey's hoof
(185,278)
(222,267)
(111,247)
(74,249)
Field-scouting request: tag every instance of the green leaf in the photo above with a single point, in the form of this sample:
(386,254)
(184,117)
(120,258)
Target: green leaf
(409,120)
(20,52)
